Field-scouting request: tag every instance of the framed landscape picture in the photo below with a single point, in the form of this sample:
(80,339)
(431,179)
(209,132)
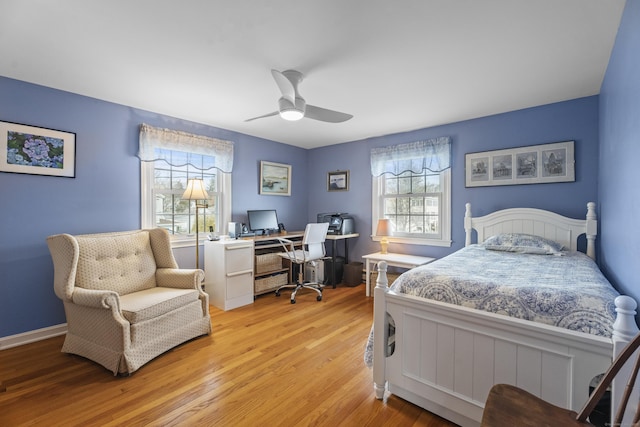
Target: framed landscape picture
(37,151)
(275,179)
(536,164)
(338,181)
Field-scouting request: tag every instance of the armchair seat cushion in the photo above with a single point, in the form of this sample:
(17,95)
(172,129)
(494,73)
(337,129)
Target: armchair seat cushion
(151,303)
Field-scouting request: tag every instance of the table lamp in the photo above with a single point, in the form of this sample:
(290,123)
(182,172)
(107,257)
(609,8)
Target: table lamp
(383,230)
(196,191)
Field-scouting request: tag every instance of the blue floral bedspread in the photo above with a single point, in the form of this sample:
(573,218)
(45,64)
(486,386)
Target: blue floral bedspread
(567,291)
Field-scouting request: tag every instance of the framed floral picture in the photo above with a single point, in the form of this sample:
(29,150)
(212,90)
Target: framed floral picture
(37,151)
(275,179)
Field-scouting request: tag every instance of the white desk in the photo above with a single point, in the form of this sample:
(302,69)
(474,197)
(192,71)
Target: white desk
(396,260)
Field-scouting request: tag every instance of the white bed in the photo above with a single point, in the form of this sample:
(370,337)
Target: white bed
(446,357)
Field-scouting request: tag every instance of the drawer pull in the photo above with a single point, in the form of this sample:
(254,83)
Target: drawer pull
(235,247)
(239,273)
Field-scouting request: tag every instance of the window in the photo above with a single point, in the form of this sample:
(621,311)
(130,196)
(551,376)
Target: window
(170,210)
(413,190)
(170,164)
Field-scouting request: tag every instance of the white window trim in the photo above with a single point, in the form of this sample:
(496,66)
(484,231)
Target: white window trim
(376,210)
(147,198)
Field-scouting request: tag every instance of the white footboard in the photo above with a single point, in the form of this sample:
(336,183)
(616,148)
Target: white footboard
(447,357)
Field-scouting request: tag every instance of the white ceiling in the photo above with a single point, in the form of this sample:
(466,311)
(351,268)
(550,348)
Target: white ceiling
(395,65)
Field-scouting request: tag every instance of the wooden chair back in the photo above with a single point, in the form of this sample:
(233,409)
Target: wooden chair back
(508,405)
(606,380)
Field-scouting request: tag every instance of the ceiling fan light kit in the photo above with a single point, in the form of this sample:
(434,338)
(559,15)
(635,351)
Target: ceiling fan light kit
(289,111)
(291,115)
(292,107)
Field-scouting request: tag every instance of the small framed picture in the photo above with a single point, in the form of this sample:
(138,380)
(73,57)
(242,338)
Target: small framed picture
(37,151)
(275,179)
(338,181)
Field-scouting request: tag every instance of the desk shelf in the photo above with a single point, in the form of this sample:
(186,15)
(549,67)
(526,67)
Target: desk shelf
(271,270)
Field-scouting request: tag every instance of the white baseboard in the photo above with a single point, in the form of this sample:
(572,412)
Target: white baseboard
(32,336)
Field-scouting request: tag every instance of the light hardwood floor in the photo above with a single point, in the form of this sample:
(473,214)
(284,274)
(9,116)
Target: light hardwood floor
(271,363)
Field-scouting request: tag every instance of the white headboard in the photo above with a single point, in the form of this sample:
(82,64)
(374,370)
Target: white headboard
(538,222)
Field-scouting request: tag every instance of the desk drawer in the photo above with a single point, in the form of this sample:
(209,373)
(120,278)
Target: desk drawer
(238,258)
(240,285)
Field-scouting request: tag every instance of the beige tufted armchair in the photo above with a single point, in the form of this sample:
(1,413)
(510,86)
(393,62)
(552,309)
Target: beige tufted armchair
(125,299)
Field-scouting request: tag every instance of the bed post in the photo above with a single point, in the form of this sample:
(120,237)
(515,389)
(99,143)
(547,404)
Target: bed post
(591,230)
(625,327)
(624,330)
(467,225)
(380,330)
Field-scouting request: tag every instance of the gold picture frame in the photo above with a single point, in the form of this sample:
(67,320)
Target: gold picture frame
(275,179)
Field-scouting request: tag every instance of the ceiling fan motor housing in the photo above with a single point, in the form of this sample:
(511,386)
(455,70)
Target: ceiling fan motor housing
(289,111)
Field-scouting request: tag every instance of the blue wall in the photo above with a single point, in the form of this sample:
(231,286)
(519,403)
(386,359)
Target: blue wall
(105,195)
(573,120)
(619,158)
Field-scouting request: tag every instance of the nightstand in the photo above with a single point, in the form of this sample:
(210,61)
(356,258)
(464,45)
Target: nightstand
(396,260)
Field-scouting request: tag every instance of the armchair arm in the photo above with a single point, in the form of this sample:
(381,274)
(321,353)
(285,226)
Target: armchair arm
(108,300)
(184,278)
(291,250)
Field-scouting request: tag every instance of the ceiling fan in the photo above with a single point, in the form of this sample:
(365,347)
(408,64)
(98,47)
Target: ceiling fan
(291,106)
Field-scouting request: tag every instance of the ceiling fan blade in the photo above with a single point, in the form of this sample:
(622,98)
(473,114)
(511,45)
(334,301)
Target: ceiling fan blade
(324,115)
(275,113)
(286,86)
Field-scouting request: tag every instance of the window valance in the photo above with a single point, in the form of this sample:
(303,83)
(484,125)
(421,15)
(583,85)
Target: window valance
(162,144)
(432,154)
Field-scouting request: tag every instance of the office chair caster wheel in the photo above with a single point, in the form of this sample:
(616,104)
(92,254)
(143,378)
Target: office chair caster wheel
(319,297)
(293,301)
(277,293)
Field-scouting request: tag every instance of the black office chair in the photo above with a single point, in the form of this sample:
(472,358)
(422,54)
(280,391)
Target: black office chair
(311,252)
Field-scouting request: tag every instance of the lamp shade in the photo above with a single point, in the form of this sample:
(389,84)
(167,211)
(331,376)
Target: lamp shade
(195,190)
(384,227)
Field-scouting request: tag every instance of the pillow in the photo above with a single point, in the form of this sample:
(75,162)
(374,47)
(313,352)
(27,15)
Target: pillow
(523,243)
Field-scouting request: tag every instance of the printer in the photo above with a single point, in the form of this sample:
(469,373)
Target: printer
(339,223)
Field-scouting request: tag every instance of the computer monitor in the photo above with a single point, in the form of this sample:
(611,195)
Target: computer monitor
(263,220)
